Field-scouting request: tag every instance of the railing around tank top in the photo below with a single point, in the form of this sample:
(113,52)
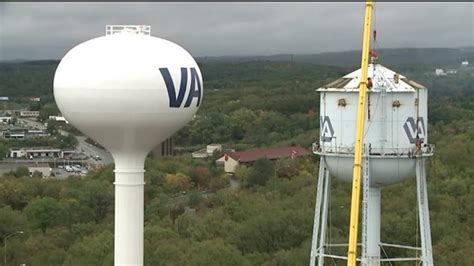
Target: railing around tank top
(425,149)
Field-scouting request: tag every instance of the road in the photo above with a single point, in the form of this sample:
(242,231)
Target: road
(91,151)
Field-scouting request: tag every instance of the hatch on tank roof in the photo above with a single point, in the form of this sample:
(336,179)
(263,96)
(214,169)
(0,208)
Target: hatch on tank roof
(381,76)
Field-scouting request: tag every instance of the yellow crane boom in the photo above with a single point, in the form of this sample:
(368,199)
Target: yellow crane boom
(359,141)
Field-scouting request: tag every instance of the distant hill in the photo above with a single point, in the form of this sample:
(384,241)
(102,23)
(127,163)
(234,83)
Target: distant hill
(12,61)
(28,78)
(433,57)
(22,79)
(266,73)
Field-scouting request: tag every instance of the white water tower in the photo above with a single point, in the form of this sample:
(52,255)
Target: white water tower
(396,148)
(128,91)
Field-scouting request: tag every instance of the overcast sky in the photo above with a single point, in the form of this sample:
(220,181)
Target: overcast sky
(49,30)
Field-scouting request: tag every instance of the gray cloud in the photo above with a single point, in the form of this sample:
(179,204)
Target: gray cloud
(49,30)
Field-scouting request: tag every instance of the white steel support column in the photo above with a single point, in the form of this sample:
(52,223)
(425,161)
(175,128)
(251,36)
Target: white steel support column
(373,226)
(324,218)
(423,210)
(371,210)
(315,251)
(129,217)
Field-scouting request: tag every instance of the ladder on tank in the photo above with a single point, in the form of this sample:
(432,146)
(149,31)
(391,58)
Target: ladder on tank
(365,202)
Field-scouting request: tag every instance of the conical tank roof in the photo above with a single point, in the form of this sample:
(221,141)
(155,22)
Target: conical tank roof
(382,78)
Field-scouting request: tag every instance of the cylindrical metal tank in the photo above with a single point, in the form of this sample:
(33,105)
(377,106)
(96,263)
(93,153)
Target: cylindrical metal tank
(396,122)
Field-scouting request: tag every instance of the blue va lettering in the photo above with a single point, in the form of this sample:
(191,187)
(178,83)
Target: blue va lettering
(195,91)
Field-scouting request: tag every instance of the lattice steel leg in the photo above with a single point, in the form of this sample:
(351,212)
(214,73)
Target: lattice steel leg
(422,196)
(324,218)
(317,211)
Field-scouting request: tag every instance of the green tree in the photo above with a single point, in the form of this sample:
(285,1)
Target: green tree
(22,171)
(97,195)
(3,151)
(15,193)
(215,252)
(11,221)
(67,142)
(52,126)
(48,110)
(287,168)
(261,172)
(43,213)
(243,120)
(242,173)
(96,249)
(273,230)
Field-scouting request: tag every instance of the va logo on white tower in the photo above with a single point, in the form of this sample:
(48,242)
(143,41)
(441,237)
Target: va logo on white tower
(327,131)
(194,91)
(412,129)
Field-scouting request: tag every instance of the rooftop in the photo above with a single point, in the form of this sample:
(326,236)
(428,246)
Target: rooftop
(34,149)
(270,153)
(381,76)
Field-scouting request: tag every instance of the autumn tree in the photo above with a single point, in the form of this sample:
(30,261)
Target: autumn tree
(201,176)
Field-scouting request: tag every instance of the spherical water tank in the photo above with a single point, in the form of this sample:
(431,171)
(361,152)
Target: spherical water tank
(395,117)
(128,91)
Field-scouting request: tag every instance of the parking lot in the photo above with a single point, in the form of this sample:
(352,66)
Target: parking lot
(63,172)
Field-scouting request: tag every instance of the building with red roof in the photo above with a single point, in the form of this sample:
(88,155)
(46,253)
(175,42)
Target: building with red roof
(233,159)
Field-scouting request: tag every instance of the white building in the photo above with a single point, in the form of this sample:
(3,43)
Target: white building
(58,119)
(23,134)
(5,119)
(36,152)
(465,63)
(14,135)
(208,151)
(439,72)
(37,133)
(29,113)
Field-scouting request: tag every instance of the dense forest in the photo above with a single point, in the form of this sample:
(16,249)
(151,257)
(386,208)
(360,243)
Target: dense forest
(193,217)
(396,57)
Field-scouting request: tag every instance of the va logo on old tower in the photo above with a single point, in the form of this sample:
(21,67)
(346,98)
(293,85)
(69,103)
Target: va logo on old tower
(327,131)
(412,129)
